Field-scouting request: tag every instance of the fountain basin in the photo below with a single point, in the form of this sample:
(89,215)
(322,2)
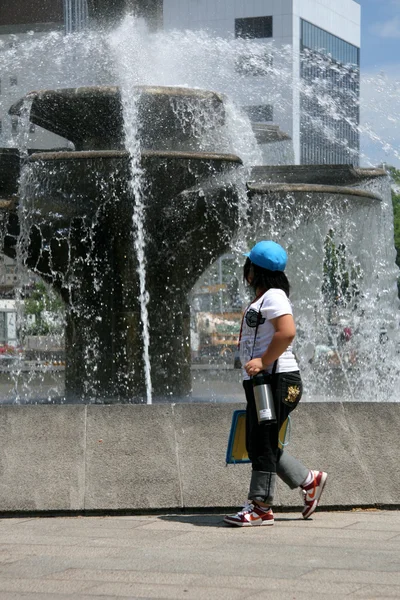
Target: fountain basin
(9,173)
(92,117)
(78,217)
(306,188)
(93,187)
(332,175)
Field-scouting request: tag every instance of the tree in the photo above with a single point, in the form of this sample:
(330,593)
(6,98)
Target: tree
(48,310)
(341,274)
(395,175)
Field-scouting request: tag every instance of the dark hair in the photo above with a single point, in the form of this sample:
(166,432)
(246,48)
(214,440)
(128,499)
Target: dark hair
(265,279)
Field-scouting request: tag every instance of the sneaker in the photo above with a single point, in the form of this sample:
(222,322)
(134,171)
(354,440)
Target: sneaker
(312,493)
(250,516)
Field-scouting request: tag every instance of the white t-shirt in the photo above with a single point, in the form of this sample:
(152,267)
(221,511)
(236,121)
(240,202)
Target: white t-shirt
(274,303)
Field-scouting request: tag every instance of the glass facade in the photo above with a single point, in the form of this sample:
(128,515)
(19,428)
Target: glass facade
(329,98)
(75,15)
(321,41)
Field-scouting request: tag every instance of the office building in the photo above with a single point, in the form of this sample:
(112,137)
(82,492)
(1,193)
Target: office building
(312,90)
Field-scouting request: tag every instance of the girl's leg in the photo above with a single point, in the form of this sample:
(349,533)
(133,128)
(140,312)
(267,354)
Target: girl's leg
(261,443)
(296,475)
(291,471)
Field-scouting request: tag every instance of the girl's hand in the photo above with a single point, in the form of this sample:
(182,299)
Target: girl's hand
(254,366)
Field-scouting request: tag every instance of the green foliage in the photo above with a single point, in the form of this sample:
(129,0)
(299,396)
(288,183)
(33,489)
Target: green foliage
(341,276)
(395,174)
(42,302)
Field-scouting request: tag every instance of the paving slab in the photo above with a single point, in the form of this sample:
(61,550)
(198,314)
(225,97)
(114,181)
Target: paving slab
(352,554)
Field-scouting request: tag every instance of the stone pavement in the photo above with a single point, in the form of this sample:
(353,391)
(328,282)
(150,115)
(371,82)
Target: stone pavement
(354,554)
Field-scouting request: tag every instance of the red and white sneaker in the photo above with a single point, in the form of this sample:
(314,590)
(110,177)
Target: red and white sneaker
(251,515)
(311,493)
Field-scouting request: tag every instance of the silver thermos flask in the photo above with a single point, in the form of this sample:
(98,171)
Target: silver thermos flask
(264,400)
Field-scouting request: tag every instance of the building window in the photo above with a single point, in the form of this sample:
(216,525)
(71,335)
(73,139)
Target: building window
(13,81)
(317,39)
(262,113)
(253,27)
(257,62)
(329,98)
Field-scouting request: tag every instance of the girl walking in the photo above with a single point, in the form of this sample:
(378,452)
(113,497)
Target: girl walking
(267,333)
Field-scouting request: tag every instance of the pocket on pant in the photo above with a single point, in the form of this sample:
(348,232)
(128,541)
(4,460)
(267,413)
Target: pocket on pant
(290,389)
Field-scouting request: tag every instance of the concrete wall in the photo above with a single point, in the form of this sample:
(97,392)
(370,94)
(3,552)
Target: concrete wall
(134,457)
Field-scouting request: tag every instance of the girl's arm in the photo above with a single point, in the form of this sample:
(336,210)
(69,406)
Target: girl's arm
(285,331)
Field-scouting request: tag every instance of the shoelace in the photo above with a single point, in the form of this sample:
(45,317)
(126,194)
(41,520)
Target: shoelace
(247,507)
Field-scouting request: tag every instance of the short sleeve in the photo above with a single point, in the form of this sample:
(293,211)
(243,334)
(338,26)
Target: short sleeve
(276,304)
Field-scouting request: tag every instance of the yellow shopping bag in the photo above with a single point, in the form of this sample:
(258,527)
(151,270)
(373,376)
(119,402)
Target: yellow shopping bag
(236,452)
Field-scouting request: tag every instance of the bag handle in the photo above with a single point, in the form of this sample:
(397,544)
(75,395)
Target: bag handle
(275,366)
(257,324)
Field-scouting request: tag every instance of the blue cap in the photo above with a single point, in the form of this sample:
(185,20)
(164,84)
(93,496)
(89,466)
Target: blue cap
(268,255)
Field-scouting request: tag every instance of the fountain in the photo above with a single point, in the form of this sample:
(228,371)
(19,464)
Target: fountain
(122,225)
(78,220)
(79,231)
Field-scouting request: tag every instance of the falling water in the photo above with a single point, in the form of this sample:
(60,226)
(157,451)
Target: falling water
(312,229)
(130,97)
(344,293)
(76,15)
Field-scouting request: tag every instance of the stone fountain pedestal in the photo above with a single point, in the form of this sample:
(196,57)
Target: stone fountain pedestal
(84,215)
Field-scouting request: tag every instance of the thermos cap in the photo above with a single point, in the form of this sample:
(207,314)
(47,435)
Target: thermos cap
(258,379)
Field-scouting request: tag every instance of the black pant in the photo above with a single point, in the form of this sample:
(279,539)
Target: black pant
(262,441)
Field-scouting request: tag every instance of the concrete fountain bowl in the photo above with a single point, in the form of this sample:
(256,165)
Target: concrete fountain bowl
(92,117)
(79,210)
